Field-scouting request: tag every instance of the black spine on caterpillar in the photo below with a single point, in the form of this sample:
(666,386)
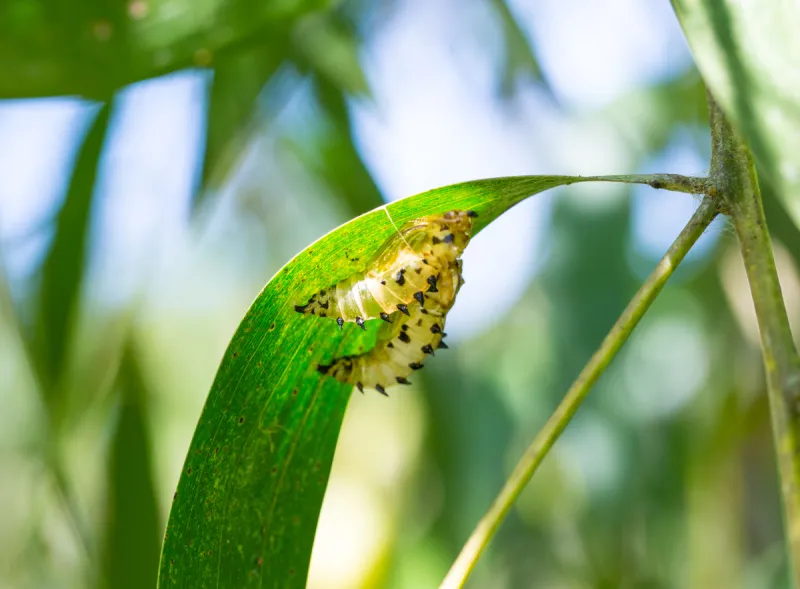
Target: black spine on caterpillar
(411,284)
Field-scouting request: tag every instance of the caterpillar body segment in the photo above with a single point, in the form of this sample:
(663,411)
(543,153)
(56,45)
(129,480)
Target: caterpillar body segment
(403,343)
(407,266)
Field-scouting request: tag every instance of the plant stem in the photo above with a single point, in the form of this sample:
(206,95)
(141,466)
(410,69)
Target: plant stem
(547,436)
(673,182)
(734,174)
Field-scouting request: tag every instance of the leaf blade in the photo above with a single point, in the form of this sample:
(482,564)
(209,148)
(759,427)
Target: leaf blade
(130,557)
(62,273)
(249,495)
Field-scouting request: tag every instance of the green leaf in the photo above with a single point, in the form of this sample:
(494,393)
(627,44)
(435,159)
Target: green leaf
(749,55)
(249,496)
(328,46)
(238,80)
(89,47)
(520,56)
(332,154)
(63,269)
(130,558)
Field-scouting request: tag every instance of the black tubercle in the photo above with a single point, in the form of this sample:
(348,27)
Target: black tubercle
(360,323)
(300,308)
(339,322)
(325,305)
(436,328)
(449,238)
(420,298)
(432,282)
(381,390)
(360,387)
(403,337)
(385,317)
(428,349)
(442,346)
(472,214)
(404,309)
(400,279)
(402,380)
(415,366)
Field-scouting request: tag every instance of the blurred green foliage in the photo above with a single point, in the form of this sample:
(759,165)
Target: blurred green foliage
(102,401)
(132,539)
(748,54)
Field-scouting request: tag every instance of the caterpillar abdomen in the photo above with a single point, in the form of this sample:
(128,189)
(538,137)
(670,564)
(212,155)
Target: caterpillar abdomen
(401,348)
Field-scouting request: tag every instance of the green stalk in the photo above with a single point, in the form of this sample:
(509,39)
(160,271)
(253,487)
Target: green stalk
(547,436)
(672,182)
(733,173)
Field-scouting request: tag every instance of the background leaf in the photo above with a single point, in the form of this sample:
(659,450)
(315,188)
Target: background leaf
(63,269)
(520,56)
(749,55)
(90,47)
(132,521)
(238,80)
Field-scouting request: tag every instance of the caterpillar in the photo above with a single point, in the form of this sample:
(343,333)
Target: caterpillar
(404,268)
(410,284)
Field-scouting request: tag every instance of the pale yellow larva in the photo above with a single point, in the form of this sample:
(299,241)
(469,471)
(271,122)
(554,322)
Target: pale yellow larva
(411,284)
